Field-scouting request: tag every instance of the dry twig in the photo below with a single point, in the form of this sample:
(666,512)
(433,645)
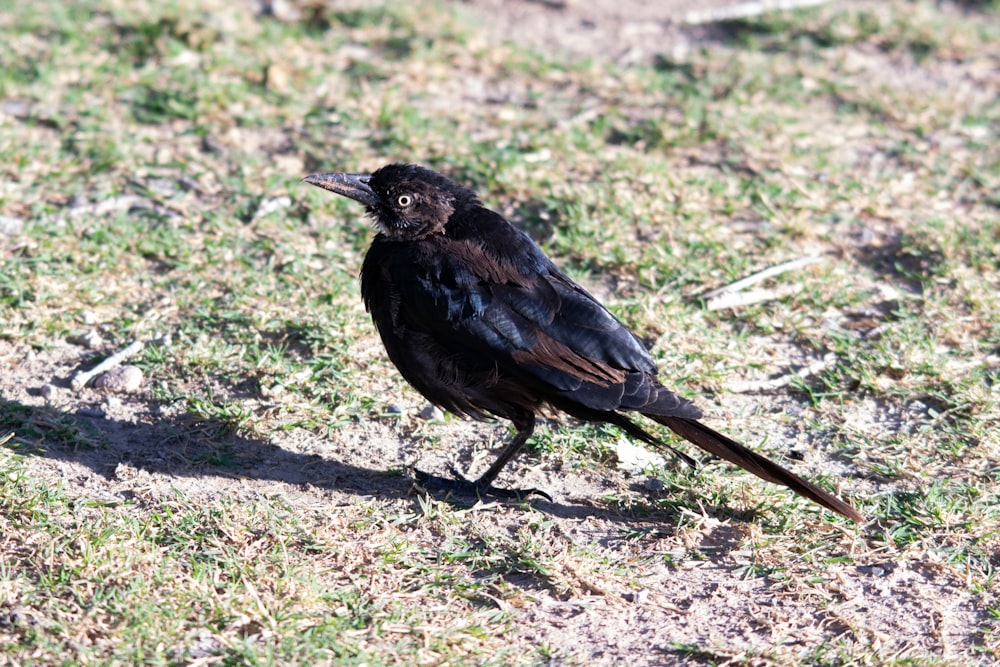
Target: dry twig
(81,379)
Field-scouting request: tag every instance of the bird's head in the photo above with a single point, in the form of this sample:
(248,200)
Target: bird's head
(406,201)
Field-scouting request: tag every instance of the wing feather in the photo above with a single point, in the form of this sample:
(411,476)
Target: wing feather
(520,310)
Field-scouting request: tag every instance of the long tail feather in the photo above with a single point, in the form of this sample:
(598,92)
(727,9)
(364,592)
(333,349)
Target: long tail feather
(732,451)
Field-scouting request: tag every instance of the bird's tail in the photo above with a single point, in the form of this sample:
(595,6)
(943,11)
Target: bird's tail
(732,451)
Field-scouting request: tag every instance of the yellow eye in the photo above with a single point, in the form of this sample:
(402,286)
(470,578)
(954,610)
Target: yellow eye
(404,200)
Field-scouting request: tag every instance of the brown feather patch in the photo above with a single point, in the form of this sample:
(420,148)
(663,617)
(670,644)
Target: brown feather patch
(550,353)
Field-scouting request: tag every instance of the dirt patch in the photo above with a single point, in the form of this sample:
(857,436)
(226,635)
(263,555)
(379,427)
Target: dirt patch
(626,32)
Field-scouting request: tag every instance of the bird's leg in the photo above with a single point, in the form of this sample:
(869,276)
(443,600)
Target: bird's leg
(525,427)
(483,487)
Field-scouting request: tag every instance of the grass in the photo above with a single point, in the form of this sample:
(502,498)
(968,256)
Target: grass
(261,582)
(153,153)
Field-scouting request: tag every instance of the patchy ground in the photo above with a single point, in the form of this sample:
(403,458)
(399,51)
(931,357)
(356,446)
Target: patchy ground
(618,568)
(146,451)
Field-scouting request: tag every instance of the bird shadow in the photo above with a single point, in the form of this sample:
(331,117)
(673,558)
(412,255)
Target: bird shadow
(182,445)
(176,445)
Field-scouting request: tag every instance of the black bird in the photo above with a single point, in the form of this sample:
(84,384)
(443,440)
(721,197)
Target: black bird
(481,322)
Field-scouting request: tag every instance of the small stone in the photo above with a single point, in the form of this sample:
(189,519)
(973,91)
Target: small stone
(112,402)
(121,380)
(47,391)
(653,484)
(639,597)
(10,226)
(431,413)
(395,409)
(90,340)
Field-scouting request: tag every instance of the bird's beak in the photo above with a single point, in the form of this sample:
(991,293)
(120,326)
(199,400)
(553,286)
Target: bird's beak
(354,186)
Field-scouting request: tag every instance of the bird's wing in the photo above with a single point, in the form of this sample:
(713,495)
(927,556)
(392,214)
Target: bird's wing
(516,307)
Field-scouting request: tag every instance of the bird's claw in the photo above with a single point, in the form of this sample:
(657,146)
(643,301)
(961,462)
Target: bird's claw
(460,486)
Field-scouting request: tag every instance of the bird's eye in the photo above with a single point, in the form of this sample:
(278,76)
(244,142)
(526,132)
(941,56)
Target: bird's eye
(404,200)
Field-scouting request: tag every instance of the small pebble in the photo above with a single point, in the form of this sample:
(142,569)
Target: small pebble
(47,391)
(431,413)
(10,226)
(91,412)
(394,409)
(653,484)
(639,597)
(123,379)
(90,340)
(113,402)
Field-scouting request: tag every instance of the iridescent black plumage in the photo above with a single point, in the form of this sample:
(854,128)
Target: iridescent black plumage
(481,322)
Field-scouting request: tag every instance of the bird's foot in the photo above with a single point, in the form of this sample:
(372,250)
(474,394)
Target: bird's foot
(460,486)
